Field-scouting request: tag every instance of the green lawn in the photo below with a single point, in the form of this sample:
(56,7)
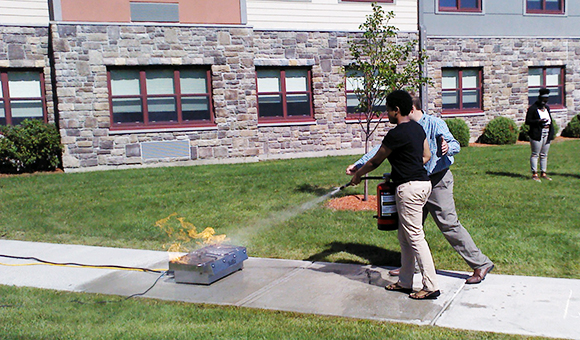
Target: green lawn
(526,228)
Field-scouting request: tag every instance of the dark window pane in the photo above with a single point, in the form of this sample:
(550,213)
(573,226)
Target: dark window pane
(25,109)
(298,105)
(471,99)
(270,106)
(469,4)
(127,110)
(195,108)
(162,109)
(2,111)
(556,96)
(447,3)
(351,103)
(533,94)
(553,5)
(450,100)
(534,4)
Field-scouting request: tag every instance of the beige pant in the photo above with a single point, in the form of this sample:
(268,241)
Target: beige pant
(410,199)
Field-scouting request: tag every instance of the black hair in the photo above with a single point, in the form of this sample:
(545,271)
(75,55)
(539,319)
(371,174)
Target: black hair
(402,100)
(544,92)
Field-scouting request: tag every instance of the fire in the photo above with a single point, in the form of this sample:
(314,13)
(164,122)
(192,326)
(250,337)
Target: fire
(184,236)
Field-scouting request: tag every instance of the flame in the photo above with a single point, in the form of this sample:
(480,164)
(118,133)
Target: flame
(184,236)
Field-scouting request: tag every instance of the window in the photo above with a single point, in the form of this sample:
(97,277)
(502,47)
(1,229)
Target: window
(460,5)
(160,97)
(461,90)
(545,6)
(284,94)
(551,78)
(355,80)
(21,96)
(157,12)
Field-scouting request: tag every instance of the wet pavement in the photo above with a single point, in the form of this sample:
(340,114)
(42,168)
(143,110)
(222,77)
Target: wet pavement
(535,306)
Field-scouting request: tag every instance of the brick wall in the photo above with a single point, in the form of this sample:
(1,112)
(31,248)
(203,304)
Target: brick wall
(505,63)
(83,53)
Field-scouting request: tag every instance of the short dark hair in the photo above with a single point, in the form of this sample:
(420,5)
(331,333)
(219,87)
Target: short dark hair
(402,100)
(544,93)
(417,103)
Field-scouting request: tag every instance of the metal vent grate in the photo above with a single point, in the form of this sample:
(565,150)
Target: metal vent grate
(169,149)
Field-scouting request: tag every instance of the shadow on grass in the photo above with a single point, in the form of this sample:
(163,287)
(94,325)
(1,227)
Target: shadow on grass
(507,174)
(564,175)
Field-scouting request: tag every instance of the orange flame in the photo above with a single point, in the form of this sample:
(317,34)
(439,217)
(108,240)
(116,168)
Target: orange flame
(183,235)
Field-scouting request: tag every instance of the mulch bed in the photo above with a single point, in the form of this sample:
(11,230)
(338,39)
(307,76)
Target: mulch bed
(353,202)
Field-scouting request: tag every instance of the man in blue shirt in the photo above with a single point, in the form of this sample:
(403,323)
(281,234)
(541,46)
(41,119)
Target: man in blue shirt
(441,204)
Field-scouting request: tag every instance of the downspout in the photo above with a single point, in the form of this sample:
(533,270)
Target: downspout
(423,91)
(55,13)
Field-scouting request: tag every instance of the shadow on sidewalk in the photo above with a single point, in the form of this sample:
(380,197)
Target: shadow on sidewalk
(374,255)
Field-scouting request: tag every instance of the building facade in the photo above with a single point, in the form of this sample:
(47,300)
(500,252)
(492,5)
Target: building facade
(194,82)
(488,58)
(152,85)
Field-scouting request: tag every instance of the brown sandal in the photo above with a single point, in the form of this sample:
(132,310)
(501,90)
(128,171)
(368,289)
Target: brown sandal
(425,295)
(398,288)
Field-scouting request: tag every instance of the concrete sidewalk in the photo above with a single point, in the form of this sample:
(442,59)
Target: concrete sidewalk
(507,304)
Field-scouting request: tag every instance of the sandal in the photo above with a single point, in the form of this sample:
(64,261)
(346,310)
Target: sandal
(398,288)
(425,295)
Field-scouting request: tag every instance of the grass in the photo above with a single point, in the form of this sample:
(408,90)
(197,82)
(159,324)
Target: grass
(43,314)
(526,228)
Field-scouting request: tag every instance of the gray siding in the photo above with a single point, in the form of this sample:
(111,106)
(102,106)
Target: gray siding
(501,18)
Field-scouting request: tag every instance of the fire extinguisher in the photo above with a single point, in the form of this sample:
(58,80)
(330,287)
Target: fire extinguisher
(387,217)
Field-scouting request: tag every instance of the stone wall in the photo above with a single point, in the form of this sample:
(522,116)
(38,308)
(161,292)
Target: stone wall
(505,63)
(27,48)
(83,53)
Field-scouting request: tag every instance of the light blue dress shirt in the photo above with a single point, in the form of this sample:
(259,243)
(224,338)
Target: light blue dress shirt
(435,128)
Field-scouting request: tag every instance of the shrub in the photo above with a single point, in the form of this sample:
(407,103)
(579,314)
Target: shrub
(31,146)
(459,129)
(500,130)
(525,129)
(573,128)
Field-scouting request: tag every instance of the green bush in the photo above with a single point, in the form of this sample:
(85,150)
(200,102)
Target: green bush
(31,146)
(524,131)
(573,128)
(523,134)
(500,130)
(459,129)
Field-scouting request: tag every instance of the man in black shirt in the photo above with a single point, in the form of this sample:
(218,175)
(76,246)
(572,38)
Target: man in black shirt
(407,150)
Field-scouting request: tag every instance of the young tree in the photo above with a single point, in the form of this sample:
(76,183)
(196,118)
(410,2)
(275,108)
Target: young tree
(381,64)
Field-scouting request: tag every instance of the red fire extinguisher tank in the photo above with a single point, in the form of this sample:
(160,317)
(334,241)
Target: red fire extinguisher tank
(387,217)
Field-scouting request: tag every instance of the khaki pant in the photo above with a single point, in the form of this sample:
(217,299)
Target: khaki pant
(410,199)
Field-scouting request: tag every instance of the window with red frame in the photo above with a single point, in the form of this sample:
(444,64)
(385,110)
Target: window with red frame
(551,78)
(355,80)
(284,94)
(21,96)
(545,6)
(461,90)
(160,97)
(460,5)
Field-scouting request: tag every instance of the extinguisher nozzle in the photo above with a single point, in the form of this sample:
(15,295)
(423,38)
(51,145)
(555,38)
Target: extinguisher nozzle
(346,185)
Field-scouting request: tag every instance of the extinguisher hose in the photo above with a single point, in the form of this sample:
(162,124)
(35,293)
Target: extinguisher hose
(362,179)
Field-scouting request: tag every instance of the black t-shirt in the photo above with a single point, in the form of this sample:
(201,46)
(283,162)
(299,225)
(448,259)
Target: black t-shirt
(406,143)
